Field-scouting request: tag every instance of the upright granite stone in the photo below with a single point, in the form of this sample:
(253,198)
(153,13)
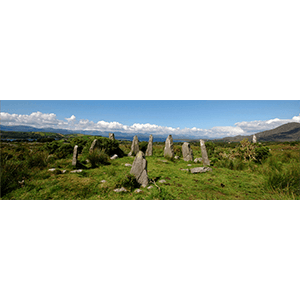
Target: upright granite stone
(149,151)
(75,156)
(94,145)
(139,169)
(111,136)
(254,139)
(169,151)
(205,159)
(134,146)
(187,152)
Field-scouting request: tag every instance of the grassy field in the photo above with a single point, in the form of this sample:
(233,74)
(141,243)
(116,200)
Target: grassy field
(25,175)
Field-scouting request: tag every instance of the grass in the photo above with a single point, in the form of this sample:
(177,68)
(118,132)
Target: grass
(276,178)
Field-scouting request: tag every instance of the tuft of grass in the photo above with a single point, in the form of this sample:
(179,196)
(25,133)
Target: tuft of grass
(98,157)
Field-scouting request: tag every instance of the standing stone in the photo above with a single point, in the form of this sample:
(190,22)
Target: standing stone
(134,146)
(254,139)
(169,151)
(111,136)
(149,151)
(94,145)
(205,159)
(187,152)
(75,156)
(139,169)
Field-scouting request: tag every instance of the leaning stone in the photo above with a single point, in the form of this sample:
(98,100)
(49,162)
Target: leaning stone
(198,159)
(75,156)
(128,165)
(138,191)
(149,151)
(94,145)
(122,189)
(76,171)
(111,136)
(134,146)
(187,152)
(200,170)
(139,169)
(169,151)
(254,139)
(114,156)
(204,154)
(162,181)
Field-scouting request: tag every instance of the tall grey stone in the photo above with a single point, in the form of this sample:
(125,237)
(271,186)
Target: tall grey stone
(111,136)
(254,139)
(149,151)
(187,152)
(94,145)
(134,146)
(169,151)
(75,156)
(139,169)
(205,159)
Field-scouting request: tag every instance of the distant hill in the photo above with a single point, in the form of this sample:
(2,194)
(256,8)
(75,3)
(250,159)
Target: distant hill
(285,133)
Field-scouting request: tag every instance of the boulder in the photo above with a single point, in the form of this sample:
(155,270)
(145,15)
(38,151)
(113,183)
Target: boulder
(134,146)
(75,156)
(200,170)
(204,154)
(187,152)
(169,151)
(149,151)
(139,169)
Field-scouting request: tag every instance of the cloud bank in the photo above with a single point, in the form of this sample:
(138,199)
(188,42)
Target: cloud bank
(41,120)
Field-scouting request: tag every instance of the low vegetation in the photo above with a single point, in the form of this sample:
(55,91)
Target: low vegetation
(242,170)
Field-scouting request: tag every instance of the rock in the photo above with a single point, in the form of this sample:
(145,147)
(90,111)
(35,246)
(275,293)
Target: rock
(169,151)
(122,189)
(177,157)
(128,165)
(150,187)
(254,139)
(198,159)
(138,191)
(162,181)
(76,171)
(204,154)
(114,156)
(75,156)
(200,170)
(94,145)
(139,169)
(186,170)
(103,181)
(64,171)
(189,165)
(52,170)
(187,152)
(134,146)
(149,151)
(111,136)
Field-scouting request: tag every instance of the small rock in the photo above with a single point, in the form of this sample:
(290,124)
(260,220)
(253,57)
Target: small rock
(114,156)
(64,171)
(186,170)
(177,157)
(122,189)
(162,181)
(52,170)
(150,187)
(128,165)
(138,191)
(189,165)
(76,171)
(103,181)
(200,170)
(198,159)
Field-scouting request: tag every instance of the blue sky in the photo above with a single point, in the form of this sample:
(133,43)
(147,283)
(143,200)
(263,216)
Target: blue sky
(197,118)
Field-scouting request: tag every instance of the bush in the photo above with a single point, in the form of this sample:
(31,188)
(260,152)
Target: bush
(98,157)
(261,153)
(143,146)
(110,147)
(64,151)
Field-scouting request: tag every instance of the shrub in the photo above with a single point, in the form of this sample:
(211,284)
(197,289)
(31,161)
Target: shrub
(143,146)
(261,153)
(64,151)
(98,157)
(110,147)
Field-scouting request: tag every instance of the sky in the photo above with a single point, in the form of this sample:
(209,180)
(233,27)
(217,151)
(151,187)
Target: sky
(208,119)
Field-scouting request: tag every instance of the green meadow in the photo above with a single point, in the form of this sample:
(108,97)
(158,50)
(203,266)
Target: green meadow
(240,171)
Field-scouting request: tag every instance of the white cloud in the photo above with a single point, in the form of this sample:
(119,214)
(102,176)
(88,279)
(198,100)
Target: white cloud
(41,120)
